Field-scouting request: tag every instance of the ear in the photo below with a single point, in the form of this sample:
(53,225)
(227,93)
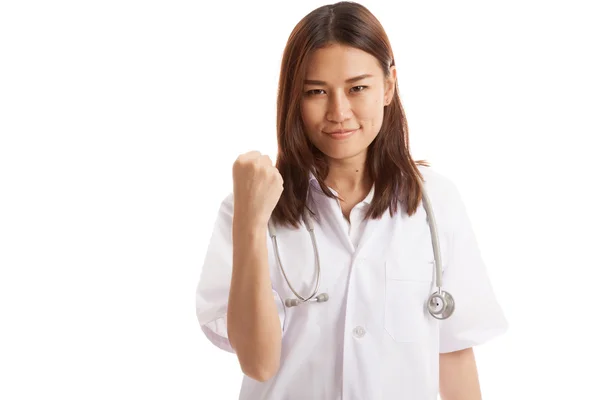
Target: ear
(390,86)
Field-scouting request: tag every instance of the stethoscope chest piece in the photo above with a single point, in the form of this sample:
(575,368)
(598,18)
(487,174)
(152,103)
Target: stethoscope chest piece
(441,305)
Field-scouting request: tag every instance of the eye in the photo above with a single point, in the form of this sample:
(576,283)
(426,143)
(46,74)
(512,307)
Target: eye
(358,88)
(314,92)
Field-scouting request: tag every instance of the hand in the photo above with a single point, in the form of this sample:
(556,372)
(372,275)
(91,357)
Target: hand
(257,187)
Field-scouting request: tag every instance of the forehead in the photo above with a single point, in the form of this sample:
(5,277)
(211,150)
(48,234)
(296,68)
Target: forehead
(338,62)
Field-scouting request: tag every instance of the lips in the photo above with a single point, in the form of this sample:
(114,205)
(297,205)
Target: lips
(340,134)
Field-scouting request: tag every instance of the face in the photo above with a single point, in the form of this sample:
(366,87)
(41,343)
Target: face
(345,91)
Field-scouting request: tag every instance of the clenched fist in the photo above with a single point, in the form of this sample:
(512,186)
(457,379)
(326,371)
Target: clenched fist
(257,187)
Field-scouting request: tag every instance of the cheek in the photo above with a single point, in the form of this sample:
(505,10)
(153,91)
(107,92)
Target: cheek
(371,112)
(310,114)
(311,120)
(378,119)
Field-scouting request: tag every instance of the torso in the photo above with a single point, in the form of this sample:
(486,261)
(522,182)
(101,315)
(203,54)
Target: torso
(371,339)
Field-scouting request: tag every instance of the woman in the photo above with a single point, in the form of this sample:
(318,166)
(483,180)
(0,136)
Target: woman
(357,328)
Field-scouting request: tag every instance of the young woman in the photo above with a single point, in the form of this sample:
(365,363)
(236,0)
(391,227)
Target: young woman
(320,269)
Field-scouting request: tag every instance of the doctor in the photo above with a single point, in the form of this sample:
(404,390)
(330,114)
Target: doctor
(332,301)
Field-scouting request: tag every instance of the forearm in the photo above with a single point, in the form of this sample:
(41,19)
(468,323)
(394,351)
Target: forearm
(458,376)
(253,324)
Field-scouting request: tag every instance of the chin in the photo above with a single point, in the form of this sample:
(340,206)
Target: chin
(344,154)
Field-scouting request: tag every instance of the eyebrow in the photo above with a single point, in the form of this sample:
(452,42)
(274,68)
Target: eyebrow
(351,80)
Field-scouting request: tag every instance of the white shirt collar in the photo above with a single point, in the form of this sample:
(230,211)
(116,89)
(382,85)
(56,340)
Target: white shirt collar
(314,183)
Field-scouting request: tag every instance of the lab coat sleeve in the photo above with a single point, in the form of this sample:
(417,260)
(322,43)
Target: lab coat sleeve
(212,291)
(478,316)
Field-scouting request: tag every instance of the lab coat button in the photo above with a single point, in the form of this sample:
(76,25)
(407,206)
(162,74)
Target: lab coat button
(359,332)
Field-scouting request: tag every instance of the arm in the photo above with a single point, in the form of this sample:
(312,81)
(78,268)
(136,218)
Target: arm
(458,376)
(478,317)
(253,324)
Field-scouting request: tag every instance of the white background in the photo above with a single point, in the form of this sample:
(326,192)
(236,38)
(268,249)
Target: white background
(120,120)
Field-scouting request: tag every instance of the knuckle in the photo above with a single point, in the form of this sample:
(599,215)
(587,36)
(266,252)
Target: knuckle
(265,159)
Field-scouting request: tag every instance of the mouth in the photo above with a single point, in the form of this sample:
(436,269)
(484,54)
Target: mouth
(341,134)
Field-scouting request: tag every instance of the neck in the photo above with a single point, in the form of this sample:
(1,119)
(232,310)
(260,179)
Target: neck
(349,177)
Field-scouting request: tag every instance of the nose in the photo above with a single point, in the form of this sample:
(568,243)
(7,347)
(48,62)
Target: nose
(338,109)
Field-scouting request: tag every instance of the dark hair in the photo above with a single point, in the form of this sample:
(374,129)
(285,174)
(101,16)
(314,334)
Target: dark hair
(388,162)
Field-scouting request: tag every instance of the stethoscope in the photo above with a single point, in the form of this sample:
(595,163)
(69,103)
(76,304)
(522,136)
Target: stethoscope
(440,304)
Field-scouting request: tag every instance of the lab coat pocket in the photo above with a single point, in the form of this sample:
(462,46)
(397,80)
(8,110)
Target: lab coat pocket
(407,288)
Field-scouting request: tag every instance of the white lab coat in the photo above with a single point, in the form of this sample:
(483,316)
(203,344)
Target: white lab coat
(373,339)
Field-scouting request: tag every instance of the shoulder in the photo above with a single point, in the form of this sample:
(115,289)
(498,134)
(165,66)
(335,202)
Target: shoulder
(224,207)
(443,193)
(437,183)
(227,203)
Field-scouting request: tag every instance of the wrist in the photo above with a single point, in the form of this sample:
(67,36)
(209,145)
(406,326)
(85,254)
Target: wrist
(248,227)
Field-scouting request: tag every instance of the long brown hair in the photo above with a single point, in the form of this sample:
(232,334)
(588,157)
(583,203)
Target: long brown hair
(389,161)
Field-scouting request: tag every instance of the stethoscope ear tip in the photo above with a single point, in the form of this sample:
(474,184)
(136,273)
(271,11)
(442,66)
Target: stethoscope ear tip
(322,297)
(291,302)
